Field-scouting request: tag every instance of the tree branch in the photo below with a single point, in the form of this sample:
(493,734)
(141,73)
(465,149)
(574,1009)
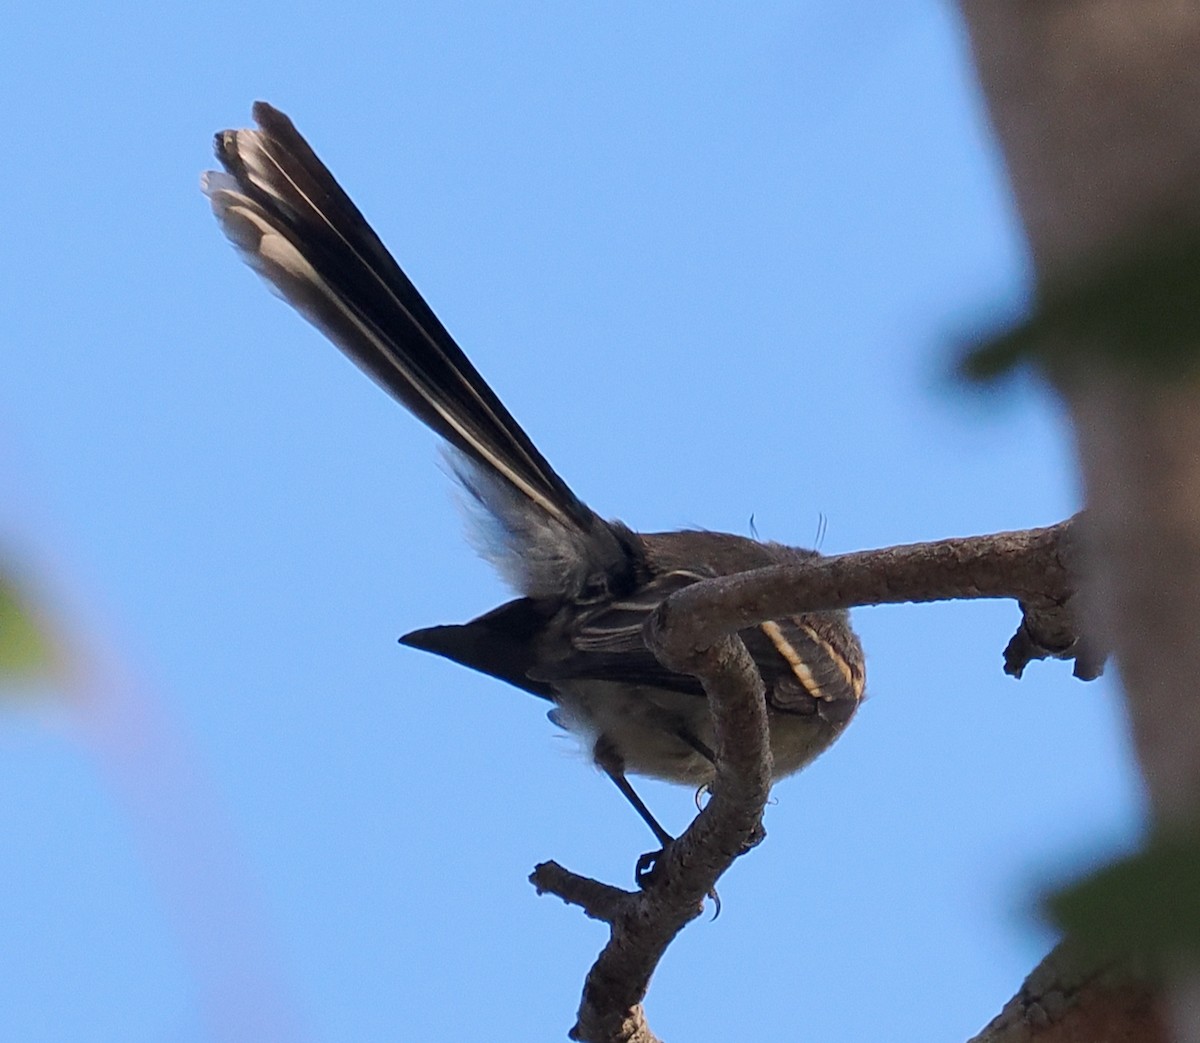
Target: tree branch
(1067,999)
(1036,567)
(694,632)
(642,924)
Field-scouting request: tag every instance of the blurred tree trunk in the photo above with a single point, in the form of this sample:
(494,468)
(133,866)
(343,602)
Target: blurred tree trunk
(1096,105)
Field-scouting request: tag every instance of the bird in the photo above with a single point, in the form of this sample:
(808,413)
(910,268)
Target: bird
(586,586)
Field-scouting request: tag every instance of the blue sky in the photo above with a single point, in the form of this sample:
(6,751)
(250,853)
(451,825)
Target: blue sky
(716,262)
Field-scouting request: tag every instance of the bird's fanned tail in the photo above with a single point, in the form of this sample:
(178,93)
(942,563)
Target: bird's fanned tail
(283,209)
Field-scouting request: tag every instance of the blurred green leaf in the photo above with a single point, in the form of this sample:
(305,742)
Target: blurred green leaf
(1138,308)
(1147,904)
(25,649)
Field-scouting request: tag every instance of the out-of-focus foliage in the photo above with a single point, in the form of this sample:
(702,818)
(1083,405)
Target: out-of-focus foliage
(1135,308)
(25,649)
(1147,904)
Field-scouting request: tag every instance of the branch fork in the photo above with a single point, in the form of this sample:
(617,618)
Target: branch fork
(695,631)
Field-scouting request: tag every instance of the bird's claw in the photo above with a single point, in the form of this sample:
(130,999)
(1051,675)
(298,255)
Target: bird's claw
(647,870)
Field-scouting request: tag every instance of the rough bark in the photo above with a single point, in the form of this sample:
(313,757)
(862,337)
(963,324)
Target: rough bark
(1068,1001)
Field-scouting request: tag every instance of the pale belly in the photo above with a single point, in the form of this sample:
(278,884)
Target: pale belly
(644,726)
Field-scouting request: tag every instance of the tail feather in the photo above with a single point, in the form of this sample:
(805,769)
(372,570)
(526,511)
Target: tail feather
(297,227)
(293,223)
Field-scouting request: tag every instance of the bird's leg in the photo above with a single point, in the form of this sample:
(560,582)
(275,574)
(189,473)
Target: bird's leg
(613,765)
(639,805)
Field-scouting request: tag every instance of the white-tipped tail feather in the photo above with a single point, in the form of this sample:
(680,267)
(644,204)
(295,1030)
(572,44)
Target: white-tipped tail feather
(294,225)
